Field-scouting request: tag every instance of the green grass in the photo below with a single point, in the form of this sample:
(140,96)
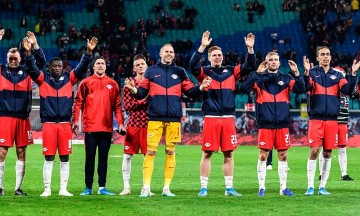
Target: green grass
(344,198)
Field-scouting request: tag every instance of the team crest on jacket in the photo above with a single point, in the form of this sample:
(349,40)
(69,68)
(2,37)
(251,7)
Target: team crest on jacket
(109,86)
(333,77)
(174,76)
(225,70)
(20,72)
(61,78)
(281,83)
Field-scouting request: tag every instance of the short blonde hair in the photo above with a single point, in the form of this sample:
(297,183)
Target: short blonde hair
(213,48)
(271,54)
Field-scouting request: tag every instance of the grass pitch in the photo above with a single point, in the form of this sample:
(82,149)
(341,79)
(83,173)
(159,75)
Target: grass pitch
(186,184)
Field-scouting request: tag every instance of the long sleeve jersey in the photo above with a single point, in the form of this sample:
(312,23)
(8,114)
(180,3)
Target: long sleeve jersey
(15,92)
(324,90)
(56,95)
(98,98)
(219,98)
(272,97)
(136,109)
(165,85)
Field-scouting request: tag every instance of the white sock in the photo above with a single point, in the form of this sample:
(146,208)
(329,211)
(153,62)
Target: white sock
(2,168)
(64,174)
(20,172)
(282,171)
(126,170)
(228,181)
(326,172)
(321,161)
(204,181)
(343,161)
(47,172)
(311,169)
(261,170)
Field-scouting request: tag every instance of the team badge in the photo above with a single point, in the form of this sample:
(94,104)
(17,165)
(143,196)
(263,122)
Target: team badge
(311,141)
(109,86)
(61,78)
(333,77)
(262,143)
(20,72)
(174,76)
(126,147)
(150,135)
(281,83)
(45,149)
(207,145)
(2,140)
(225,70)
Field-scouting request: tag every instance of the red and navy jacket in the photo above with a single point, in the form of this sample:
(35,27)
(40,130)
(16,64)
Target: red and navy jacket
(56,95)
(165,85)
(15,92)
(273,97)
(219,97)
(324,90)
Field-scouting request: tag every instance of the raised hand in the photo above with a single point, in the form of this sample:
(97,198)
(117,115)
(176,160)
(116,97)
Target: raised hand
(27,44)
(355,67)
(31,37)
(2,32)
(206,82)
(262,67)
(206,40)
(293,67)
(249,40)
(307,66)
(91,44)
(129,83)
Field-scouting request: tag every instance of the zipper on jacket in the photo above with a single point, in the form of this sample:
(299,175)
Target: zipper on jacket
(14,100)
(166,93)
(326,97)
(221,96)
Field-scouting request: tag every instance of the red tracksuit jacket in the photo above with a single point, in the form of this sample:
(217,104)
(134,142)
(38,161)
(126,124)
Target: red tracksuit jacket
(98,98)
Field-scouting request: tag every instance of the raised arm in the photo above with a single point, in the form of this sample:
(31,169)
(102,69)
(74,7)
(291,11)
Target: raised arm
(36,50)
(2,32)
(250,59)
(347,87)
(33,71)
(197,58)
(81,68)
(297,86)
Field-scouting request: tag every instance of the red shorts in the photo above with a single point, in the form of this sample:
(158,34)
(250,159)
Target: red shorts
(135,139)
(57,136)
(278,138)
(323,133)
(342,135)
(15,130)
(219,132)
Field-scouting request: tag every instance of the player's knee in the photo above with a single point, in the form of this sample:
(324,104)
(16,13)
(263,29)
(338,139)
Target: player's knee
(169,152)
(151,152)
(327,154)
(207,154)
(64,158)
(49,157)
